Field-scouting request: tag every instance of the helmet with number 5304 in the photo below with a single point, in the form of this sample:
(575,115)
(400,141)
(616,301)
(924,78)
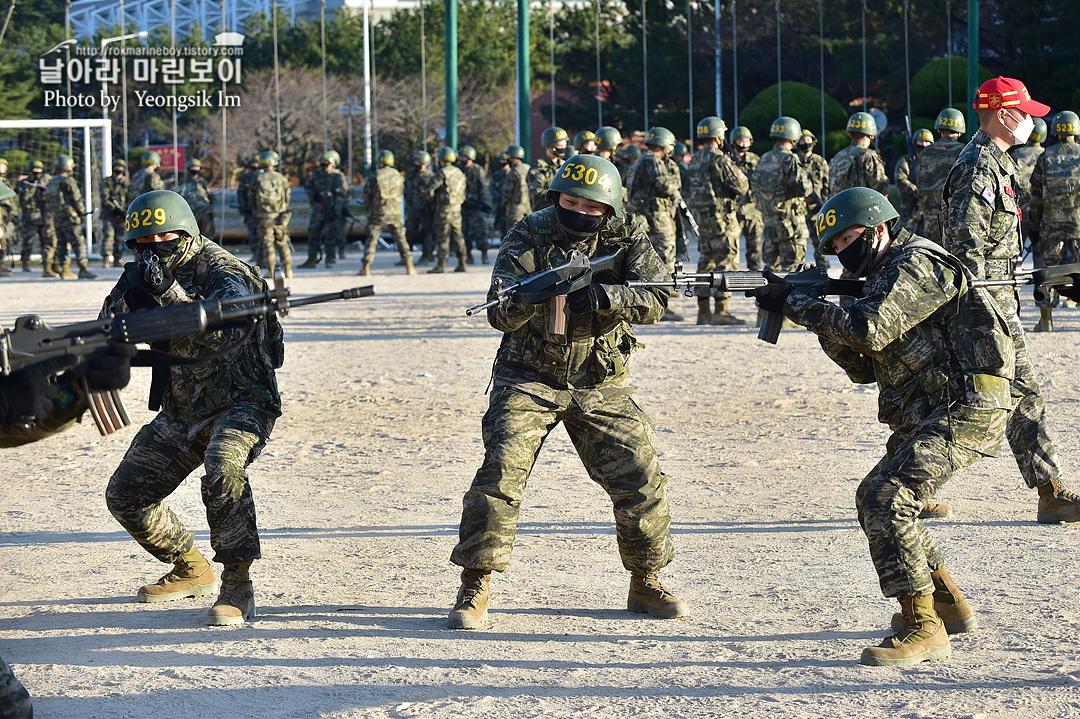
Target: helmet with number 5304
(157,212)
(589,177)
(855,206)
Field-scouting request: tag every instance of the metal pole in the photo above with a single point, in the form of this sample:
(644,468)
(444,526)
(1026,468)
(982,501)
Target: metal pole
(451,72)
(224,151)
(779,78)
(907,60)
(67,62)
(367,84)
(948,43)
(175,143)
(551,58)
(973,60)
(690,68)
(821,68)
(89,220)
(734,65)
(277,81)
(7,19)
(374,96)
(423,83)
(325,117)
(123,79)
(864,55)
(599,82)
(348,122)
(645,65)
(523,78)
(718,67)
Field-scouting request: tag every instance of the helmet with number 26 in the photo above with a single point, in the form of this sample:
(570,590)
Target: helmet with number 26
(589,177)
(855,206)
(157,212)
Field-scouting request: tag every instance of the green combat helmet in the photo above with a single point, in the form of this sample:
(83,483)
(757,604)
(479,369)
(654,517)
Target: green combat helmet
(582,137)
(922,134)
(608,138)
(785,128)
(151,158)
(331,156)
(859,206)
(631,153)
(553,136)
(118,162)
(39,165)
(660,137)
(589,177)
(447,154)
(951,120)
(386,158)
(467,151)
(421,157)
(710,127)
(194,165)
(157,212)
(741,133)
(1066,123)
(681,149)
(862,123)
(1038,133)
(64,163)
(267,159)
(515,151)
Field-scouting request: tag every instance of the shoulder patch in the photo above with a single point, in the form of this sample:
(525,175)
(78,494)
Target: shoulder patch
(988,195)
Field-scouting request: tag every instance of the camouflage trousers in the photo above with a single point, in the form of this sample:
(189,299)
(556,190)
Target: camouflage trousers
(718,248)
(397,233)
(1026,431)
(782,250)
(1054,250)
(40,231)
(70,241)
(112,235)
(891,496)
(752,228)
(14,699)
(615,443)
(420,232)
(272,232)
(474,225)
(931,226)
(162,455)
(448,236)
(326,233)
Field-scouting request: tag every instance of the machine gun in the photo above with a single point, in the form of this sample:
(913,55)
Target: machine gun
(808,279)
(33,340)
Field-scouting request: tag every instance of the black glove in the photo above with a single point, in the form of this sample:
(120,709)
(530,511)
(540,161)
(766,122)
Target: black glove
(588,299)
(27,395)
(771,297)
(111,368)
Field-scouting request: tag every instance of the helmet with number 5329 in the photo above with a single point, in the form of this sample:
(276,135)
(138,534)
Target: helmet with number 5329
(157,212)
(589,177)
(855,206)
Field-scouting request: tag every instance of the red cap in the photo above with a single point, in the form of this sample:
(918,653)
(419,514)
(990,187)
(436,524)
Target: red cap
(1007,92)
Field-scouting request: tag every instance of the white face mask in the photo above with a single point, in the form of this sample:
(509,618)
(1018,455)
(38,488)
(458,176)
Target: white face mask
(1023,129)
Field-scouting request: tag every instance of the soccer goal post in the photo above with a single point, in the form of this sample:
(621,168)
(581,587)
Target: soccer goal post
(23,141)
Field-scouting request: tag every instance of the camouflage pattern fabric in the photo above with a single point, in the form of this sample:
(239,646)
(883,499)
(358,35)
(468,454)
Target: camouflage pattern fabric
(495,192)
(749,216)
(781,187)
(1055,207)
(580,378)
(857,166)
(197,193)
(474,221)
(943,414)
(269,198)
(446,187)
(514,203)
(8,213)
(818,171)
(14,699)
(142,182)
(908,191)
(419,227)
(538,179)
(64,200)
(714,187)
(651,195)
(982,229)
(328,192)
(243,192)
(36,223)
(114,192)
(1025,157)
(932,169)
(383,192)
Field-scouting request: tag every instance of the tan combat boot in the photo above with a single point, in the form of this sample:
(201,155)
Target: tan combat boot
(470,609)
(439,268)
(365,271)
(922,638)
(84,271)
(47,261)
(191,576)
(721,316)
(236,601)
(950,605)
(1057,503)
(704,314)
(409,269)
(1046,320)
(461,262)
(648,595)
(105,262)
(66,273)
(935,510)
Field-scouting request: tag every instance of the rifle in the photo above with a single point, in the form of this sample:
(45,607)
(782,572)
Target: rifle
(573,274)
(808,279)
(1045,279)
(681,210)
(478,205)
(33,340)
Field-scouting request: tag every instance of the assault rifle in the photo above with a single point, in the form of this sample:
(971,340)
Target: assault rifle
(808,279)
(682,211)
(478,205)
(1044,278)
(577,272)
(33,340)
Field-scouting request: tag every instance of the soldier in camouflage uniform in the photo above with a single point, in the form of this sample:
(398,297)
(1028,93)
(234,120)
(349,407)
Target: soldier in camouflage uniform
(35,220)
(514,203)
(565,360)
(1055,206)
(218,413)
(496,178)
(585,143)
(383,190)
(113,209)
(196,191)
(327,189)
(8,212)
(750,219)
(940,353)
(243,203)
(269,199)
(1025,156)
(715,184)
(65,202)
(933,168)
(146,179)
(628,156)
(906,181)
(446,189)
(477,209)
(858,165)
(818,171)
(419,230)
(554,140)
(780,189)
(982,229)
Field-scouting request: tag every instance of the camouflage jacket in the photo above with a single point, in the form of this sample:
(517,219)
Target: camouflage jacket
(31,192)
(446,188)
(626,172)
(243,190)
(857,166)
(747,162)
(416,199)
(538,179)
(931,169)
(197,193)
(653,188)
(383,191)
(114,192)
(1025,157)
(907,189)
(328,191)
(818,172)
(908,334)
(269,194)
(195,394)
(981,220)
(715,183)
(514,203)
(475,186)
(142,182)
(1055,192)
(65,200)
(780,189)
(495,186)
(595,349)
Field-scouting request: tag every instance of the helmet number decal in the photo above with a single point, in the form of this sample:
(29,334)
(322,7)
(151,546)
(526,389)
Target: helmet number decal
(146,218)
(826,219)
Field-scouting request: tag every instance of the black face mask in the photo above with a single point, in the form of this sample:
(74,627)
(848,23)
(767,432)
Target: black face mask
(805,149)
(578,225)
(163,250)
(857,256)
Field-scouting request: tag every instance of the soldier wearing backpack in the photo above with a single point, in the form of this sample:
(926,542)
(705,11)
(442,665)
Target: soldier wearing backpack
(269,200)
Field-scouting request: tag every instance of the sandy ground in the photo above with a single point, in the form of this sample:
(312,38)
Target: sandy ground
(359,497)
